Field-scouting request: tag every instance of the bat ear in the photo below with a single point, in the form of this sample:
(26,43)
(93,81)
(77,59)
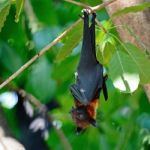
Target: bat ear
(93,122)
(79,130)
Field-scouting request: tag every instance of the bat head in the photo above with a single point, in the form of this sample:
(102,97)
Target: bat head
(82,118)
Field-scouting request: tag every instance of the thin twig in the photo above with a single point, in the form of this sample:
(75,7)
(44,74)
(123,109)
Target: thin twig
(88,7)
(45,49)
(30,97)
(95,8)
(78,4)
(100,25)
(98,7)
(38,105)
(34,58)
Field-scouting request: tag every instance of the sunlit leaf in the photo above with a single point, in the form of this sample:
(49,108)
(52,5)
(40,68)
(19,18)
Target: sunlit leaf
(70,41)
(4,11)
(105,48)
(3,4)
(19,6)
(141,60)
(107,24)
(123,72)
(132,9)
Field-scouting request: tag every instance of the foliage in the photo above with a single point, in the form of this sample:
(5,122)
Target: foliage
(70,41)
(124,120)
(19,5)
(4,11)
(132,9)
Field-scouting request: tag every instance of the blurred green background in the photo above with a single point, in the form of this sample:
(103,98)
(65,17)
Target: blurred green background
(123,120)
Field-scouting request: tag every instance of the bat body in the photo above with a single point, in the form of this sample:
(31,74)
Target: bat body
(89,78)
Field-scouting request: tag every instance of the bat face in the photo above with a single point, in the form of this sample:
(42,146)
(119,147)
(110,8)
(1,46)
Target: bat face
(84,115)
(80,117)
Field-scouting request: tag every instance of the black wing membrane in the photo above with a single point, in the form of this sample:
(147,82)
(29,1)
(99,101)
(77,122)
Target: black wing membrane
(89,79)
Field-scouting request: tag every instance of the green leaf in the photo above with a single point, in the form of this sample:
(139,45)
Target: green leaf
(4,11)
(105,53)
(9,58)
(142,62)
(70,41)
(19,6)
(69,64)
(107,24)
(105,48)
(132,9)
(3,4)
(123,72)
(40,82)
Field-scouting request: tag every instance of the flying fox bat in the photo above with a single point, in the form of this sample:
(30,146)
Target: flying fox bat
(89,79)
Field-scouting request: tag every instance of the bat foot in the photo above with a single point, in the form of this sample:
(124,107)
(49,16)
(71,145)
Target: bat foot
(86,11)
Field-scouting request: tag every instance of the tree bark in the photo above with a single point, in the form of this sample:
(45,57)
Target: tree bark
(138,22)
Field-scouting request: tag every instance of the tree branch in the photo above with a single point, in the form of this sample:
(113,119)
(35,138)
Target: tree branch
(90,8)
(100,25)
(38,105)
(95,8)
(54,42)
(34,58)
(78,4)
(98,7)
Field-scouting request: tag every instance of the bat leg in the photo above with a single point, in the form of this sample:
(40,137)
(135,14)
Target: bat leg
(78,95)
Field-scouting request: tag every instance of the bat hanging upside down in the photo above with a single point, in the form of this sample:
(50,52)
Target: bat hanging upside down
(89,79)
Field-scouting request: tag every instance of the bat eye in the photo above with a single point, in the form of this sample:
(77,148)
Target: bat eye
(81,116)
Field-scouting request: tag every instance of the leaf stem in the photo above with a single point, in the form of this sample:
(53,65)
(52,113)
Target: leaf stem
(101,26)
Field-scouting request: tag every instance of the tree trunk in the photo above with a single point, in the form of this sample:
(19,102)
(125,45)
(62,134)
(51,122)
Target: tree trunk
(138,22)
